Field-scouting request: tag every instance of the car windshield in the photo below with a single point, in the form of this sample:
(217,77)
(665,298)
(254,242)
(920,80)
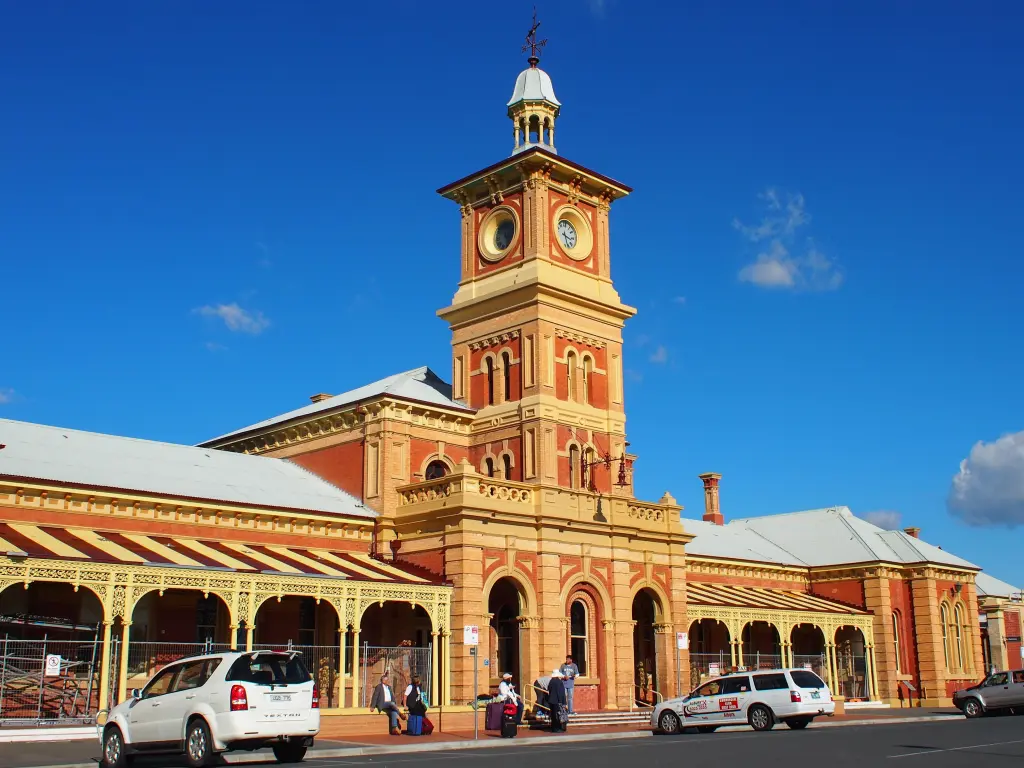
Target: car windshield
(269,669)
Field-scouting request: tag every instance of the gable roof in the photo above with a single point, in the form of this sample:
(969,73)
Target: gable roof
(91,459)
(814,538)
(419,385)
(989,586)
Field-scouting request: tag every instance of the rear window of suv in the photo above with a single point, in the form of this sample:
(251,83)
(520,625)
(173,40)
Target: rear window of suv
(806,679)
(776,682)
(269,669)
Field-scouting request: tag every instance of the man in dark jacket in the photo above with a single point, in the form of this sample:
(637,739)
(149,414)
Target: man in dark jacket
(558,702)
(383,700)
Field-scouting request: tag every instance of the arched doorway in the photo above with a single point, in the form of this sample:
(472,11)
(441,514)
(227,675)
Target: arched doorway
(851,664)
(808,648)
(710,654)
(762,646)
(504,603)
(394,638)
(646,613)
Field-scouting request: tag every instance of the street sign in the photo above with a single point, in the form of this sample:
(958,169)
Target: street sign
(471,635)
(682,641)
(52,665)
(487,662)
(713,669)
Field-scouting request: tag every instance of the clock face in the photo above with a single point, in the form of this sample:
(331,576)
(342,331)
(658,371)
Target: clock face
(504,233)
(567,234)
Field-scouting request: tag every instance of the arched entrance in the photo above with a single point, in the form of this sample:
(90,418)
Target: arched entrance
(646,613)
(851,664)
(394,638)
(710,654)
(505,605)
(40,620)
(808,649)
(762,647)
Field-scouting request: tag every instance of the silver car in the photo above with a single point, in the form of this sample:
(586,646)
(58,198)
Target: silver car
(1000,690)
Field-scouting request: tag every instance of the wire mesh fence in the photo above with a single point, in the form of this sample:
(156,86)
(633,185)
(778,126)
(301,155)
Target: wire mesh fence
(401,663)
(49,681)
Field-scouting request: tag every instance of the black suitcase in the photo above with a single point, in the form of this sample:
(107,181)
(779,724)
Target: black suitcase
(508,728)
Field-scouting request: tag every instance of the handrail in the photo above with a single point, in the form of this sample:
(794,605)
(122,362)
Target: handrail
(535,702)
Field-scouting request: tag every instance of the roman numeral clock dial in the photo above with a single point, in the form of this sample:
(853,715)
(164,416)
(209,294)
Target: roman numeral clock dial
(567,234)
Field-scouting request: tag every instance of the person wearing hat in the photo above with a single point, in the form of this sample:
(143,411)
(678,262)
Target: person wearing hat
(558,702)
(507,692)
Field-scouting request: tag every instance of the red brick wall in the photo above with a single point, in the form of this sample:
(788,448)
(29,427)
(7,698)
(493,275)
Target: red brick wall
(900,595)
(1012,625)
(341,465)
(482,266)
(849,591)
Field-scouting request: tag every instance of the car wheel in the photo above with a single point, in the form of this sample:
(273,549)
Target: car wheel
(707,728)
(798,724)
(972,708)
(289,752)
(114,755)
(669,722)
(198,744)
(761,718)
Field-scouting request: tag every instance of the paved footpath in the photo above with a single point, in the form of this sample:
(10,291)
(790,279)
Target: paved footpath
(335,746)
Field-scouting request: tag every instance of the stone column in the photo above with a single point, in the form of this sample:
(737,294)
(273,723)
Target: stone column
(931,656)
(434,671)
(830,664)
(970,595)
(342,647)
(122,675)
(869,673)
(248,637)
(665,654)
(609,677)
(233,637)
(464,567)
(997,638)
(446,688)
(356,677)
(105,670)
(878,600)
(529,652)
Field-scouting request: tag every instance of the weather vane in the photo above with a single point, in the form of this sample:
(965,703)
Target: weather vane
(532,44)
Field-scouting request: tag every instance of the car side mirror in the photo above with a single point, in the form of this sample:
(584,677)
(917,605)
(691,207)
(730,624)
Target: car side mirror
(136,694)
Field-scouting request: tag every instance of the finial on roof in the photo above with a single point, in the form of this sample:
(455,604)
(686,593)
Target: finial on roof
(534,45)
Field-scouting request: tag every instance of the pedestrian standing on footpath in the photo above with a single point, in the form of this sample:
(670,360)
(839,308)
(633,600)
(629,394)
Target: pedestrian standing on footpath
(569,672)
(557,702)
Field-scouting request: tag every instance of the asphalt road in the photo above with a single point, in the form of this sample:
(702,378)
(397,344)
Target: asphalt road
(956,742)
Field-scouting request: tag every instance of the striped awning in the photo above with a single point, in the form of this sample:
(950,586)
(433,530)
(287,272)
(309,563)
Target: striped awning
(735,596)
(52,542)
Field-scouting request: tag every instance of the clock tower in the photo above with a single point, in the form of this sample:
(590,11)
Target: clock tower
(536,321)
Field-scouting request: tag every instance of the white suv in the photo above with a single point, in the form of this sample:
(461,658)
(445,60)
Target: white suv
(759,699)
(203,705)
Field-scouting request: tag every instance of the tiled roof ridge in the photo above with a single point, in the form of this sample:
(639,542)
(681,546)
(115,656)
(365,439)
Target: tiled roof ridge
(796,560)
(834,508)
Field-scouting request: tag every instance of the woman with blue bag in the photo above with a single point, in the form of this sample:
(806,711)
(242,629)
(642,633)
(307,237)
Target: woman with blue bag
(416,703)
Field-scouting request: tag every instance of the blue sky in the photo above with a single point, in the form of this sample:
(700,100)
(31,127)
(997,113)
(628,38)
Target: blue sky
(209,212)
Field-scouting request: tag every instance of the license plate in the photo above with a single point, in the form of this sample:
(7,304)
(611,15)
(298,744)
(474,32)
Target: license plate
(815,695)
(286,697)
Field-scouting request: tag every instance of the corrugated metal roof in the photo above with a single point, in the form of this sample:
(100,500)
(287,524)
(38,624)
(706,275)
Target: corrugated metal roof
(816,537)
(738,596)
(108,461)
(420,384)
(993,587)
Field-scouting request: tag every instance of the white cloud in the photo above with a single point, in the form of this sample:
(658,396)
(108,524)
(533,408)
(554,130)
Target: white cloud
(236,318)
(989,488)
(888,519)
(6,396)
(660,355)
(785,261)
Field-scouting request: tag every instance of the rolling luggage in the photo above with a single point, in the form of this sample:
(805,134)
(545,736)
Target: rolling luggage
(415,726)
(428,727)
(493,715)
(508,727)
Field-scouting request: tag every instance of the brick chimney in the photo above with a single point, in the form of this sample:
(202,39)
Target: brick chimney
(712,511)
(915,532)
(320,397)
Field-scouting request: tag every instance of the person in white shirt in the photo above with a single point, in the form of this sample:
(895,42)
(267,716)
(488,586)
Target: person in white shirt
(383,700)
(507,692)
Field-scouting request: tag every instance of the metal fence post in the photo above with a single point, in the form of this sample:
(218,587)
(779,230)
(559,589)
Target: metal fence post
(3,672)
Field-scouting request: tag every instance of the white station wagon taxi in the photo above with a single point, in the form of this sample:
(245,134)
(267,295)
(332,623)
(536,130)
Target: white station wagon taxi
(203,705)
(759,699)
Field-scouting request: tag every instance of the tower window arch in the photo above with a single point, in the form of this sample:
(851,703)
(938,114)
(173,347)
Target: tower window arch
(506,369)
(535,129)
(435,470)
(574,466)
(489,466)
(489,370)
(571,373)
(506,465)
(958,637)
(587,469)
(588,379)
(944,617)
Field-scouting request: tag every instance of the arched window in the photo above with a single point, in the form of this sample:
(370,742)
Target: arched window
(506,465)
(506,370)
(435,470)
(489,368)
(578,634)
(571,374)
(958,637)
(587,470)
(489,466)
(944,611)
(588,379)
(574,466)
(896,640)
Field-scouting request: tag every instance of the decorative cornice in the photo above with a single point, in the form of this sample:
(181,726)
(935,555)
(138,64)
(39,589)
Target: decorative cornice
(494,341)
(580,338)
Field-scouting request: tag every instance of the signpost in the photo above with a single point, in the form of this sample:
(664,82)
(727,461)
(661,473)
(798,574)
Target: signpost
(471,637)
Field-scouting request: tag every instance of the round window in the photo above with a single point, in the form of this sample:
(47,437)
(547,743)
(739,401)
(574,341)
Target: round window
(503,234)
